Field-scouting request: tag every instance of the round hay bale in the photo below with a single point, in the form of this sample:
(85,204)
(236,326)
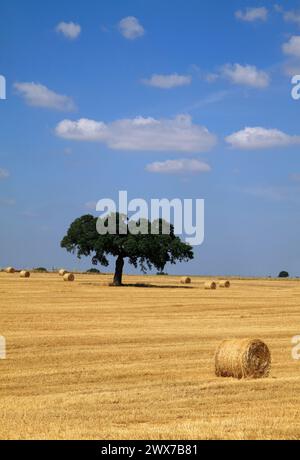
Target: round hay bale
(243,358)
(10,270)
(24,274)
(210,285)
(185,280)
(68,277)
(224,284)
(62,272)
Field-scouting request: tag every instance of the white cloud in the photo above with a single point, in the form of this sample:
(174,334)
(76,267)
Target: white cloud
(167,81)
(69,29)
(292,47)
(212,98)
(38,95)
(149,134)
(4,173)
(247,75)
(260,138)
(83,130)
(178,167)
(131,28)
(252,14)
(292,16)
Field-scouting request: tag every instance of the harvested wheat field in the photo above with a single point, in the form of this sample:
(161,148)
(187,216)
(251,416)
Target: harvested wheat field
(85,360)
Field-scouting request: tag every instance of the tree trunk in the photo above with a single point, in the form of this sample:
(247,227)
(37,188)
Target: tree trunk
(118,271)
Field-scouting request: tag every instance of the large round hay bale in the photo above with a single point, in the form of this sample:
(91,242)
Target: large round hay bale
(68,277)
(224,284)
(185,280)
(242,358)
(210,285)
(24,274)
(62,272)
(10,270)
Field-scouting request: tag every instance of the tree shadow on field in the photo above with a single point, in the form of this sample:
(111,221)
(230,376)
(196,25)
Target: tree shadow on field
(138,285)
(148,285)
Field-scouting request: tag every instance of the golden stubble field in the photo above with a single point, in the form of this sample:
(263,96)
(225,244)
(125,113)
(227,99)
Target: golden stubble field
(85,360)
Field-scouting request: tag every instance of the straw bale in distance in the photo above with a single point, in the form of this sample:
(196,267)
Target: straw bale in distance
(210,285)
(69,277)
(62,272)
(224,284)
(10,270)
(185,280)
(24,274)
(242,358)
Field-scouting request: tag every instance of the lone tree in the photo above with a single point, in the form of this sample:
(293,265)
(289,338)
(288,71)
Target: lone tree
(283,274)
(143,243)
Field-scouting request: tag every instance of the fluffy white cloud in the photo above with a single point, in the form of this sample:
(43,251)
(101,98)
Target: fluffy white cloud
(292,47)
(3,173)
(68,29)
(247,75)
(82,130)
(39,95)
(167,81)
(178,167)
(252,14)
(131,28)
(260,138)
(176,134)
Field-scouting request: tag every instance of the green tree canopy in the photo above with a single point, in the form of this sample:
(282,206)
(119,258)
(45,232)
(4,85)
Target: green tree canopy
(153,244)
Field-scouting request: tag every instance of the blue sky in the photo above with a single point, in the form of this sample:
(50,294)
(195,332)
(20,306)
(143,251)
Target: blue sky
(158,85)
